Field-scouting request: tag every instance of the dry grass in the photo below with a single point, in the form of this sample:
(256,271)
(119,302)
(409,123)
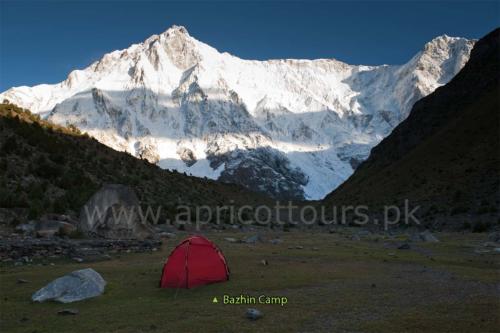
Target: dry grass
(342,286)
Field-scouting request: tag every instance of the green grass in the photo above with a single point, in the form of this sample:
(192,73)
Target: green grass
(328,289)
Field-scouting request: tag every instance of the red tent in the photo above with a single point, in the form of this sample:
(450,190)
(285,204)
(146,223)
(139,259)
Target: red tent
(194,262)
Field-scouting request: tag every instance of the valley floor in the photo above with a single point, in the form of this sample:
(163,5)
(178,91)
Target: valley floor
(333,284)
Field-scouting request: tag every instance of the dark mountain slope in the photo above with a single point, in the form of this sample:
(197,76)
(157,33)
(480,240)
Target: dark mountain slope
(445,155)
(45,168)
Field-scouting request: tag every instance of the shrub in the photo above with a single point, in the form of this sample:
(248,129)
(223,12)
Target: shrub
(48,170)
(36,208)
(60,206)
(11,199)
(480,226)
(10,146)
(459,210)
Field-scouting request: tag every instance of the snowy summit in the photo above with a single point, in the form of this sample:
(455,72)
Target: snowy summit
(290,128)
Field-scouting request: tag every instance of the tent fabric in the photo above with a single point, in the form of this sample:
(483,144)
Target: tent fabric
(194,262)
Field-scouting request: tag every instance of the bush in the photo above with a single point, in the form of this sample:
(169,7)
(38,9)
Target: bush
(10,146)
(36,208)
(60,206)
(481,226)
(12,199)
(466,225)
(459,210)
(48,170)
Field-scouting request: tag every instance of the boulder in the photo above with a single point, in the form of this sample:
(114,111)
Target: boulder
(113,212)
(166,234)
(404,246)
(231,240)
(428,237)
(65,312)
(76,286)
(187,156)
(253,314)
(59,217)
(494,237)
(8,216)
(26,228)
(147,150)
(364,233)
(50,228)
(253,239)
(355,237)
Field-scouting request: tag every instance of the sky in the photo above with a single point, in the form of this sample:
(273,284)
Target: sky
(42,41)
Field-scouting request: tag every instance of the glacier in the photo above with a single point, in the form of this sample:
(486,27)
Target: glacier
(294,129)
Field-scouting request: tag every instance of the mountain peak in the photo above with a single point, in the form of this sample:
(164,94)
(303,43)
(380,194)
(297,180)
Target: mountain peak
(176,29)
(445,42)
(177,97)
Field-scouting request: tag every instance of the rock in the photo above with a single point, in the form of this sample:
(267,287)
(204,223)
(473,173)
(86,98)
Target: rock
(147,150)
(231,240)
(264,262)
(112,212)
(277,175)
(76,286)
(404,246)
(26,259)
(26,228)
(167,234)
(494,237)
(67,229)
(8,216)
(276,241)
(253,314)
(165,228)
(253,239)
(299,247)
(187,156)
(364,233)
(20,281)
(66,312)
(315,248)
(59,217)
(428,237)
(51,228)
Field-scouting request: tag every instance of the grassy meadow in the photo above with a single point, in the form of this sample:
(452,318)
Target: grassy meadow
(333,284)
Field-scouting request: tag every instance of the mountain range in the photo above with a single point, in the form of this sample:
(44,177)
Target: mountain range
(51,169)
(293,129)
(445,157)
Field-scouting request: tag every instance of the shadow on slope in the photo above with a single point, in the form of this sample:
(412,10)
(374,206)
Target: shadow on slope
(46,168)
(445,155)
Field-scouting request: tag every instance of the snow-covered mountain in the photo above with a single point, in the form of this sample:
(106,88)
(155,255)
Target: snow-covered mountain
(291,128)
